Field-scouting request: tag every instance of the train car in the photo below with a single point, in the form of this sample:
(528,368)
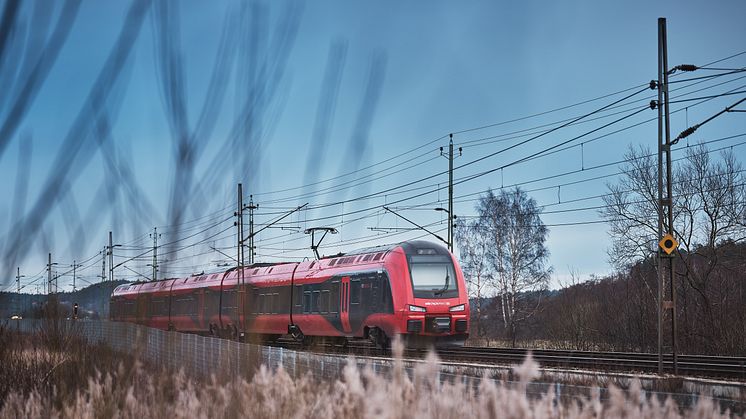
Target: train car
(415,290)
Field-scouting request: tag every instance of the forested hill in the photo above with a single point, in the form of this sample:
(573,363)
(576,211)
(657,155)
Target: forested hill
(618,312)
(92,300)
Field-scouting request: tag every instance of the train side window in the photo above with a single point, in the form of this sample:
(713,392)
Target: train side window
(182,305)
(229,301)
(298,295)
(354,291)
(334,298)
(253,306)
(129,308)
(324,302)
(156,307)
(315,302)
(307,302)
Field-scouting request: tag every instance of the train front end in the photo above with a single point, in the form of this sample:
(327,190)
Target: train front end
(436,302)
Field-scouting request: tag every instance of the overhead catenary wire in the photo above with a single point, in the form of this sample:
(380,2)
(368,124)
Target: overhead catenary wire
(586,169)
(334,203)
(607,220)
(459,199)
(391,190)
(487,126)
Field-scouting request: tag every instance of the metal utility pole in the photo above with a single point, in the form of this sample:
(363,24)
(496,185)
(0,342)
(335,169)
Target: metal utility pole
(18,280)
(75,266)
(450,192)
(671,304)
(251,209)
(18,290)
(49,273)
(239,227)
(155,235)
(665,203)
(240,256)
(451,217)
(103,264)
(111,258)
(51,297)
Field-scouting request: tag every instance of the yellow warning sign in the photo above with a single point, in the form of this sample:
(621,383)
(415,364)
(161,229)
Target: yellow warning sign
(668,244)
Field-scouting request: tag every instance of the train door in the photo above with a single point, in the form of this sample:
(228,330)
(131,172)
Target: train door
(143,301)
(372,283)
(335,301)
(344,306)
(207,306)
(356,308)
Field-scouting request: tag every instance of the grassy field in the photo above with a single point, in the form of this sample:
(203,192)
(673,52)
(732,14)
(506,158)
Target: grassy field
(53,374)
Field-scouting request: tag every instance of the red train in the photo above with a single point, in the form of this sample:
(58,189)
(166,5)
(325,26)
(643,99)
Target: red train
(414,289)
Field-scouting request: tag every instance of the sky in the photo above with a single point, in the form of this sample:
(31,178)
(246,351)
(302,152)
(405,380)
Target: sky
(353,96)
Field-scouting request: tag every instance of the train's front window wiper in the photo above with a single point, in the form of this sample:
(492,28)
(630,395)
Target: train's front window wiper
(445,287)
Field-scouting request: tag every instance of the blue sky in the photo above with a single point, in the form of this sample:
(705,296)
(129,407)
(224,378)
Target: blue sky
(444,67)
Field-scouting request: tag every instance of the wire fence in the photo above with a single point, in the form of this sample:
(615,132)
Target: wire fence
(203,356)
(208,357)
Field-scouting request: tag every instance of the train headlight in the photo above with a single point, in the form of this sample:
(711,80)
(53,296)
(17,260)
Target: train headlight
(417,308)
(460,307)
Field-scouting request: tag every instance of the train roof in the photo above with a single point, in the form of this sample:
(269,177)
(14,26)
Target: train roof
(410,244)
(364,255)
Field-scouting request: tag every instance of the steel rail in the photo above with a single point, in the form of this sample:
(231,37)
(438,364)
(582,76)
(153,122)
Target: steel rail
(632,362)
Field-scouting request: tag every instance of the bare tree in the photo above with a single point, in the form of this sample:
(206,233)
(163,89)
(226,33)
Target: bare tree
(515,235)
(709,203)
(474,249)
(631,208)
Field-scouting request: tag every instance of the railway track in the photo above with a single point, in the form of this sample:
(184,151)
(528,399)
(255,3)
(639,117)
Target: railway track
(733,368)
(689,365)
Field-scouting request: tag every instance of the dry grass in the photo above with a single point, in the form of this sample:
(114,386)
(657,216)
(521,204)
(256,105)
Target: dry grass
(81,381)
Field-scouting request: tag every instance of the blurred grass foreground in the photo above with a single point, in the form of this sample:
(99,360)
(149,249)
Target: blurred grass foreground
(53,371)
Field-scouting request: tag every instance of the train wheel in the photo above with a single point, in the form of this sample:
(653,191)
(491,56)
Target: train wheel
(296,333)
(379,338)
(226,332)
(342,344)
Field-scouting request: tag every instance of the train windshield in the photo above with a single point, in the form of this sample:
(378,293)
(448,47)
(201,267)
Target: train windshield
(433,276)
